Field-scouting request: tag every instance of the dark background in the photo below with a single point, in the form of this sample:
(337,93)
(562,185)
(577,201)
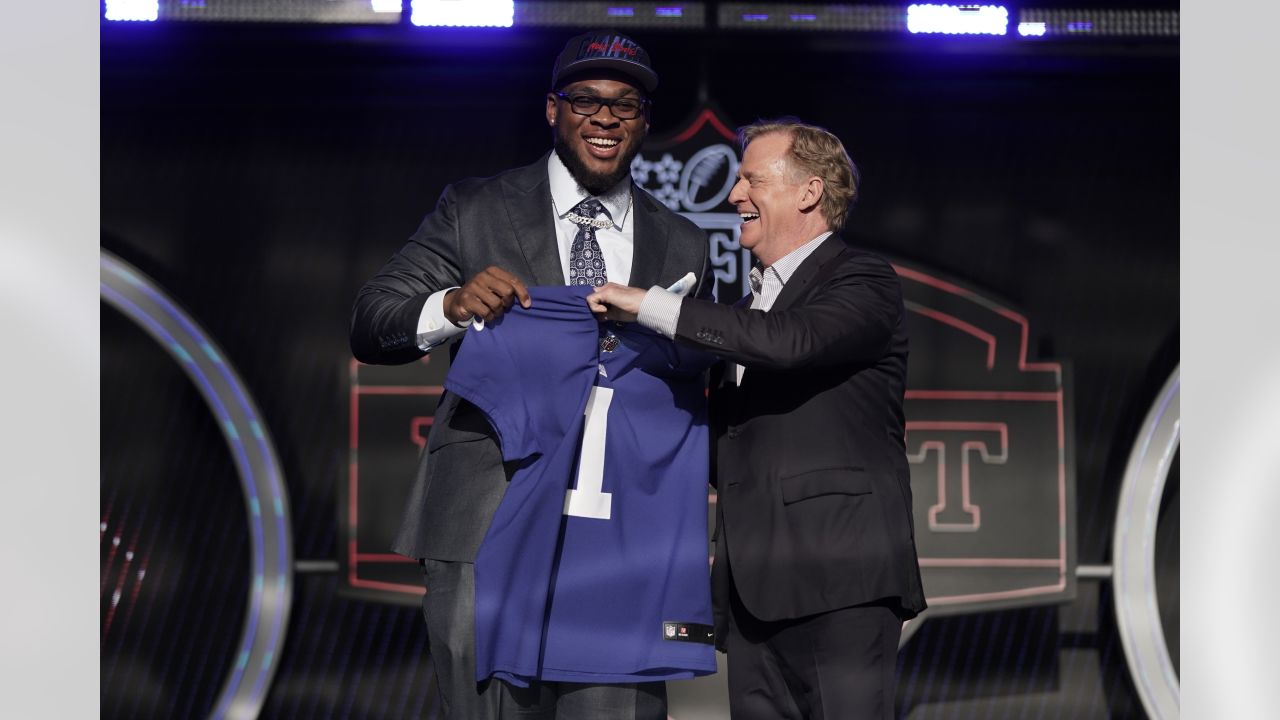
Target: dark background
(261,173)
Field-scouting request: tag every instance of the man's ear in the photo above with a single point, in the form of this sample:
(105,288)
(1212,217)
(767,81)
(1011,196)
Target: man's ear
(552,110)
(813,189)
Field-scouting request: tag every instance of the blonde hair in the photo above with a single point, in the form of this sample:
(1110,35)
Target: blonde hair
(814,151)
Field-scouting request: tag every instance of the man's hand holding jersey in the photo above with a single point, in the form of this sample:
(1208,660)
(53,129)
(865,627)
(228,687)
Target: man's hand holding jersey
(612,301)
(487,295)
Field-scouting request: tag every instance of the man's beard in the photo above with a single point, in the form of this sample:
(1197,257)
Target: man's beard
(594,182)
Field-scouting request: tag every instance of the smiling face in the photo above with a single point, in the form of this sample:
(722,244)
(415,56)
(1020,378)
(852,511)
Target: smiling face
(597,149)
(778,208)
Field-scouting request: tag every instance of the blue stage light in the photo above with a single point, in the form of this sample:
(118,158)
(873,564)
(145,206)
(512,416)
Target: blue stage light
(463,13)
(146,10)
(1031,29)
(1102,23)
(676,11)
(958,19)
(621,12)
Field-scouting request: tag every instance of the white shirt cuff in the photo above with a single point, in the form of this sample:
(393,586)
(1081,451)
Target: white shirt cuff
(433,327)
(660,311)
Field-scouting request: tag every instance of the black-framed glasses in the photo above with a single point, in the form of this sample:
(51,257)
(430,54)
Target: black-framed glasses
(623,108)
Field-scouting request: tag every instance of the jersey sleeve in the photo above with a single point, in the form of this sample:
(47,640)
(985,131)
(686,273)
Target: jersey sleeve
(482,373)
(530,372)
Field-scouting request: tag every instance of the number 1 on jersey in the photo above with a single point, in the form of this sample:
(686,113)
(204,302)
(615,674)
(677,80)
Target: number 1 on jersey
(589,499)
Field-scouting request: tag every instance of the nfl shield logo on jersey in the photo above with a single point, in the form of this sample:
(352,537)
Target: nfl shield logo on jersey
(669,630)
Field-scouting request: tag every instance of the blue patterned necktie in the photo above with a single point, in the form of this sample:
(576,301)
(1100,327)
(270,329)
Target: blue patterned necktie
(586,264)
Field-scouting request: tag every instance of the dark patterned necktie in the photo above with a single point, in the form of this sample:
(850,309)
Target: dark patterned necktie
(586,264)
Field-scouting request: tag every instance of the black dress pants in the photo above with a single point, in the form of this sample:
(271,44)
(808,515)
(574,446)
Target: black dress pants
(837,665)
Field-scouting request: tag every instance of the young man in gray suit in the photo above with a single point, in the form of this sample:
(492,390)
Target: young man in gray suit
(815,560)
(549,223)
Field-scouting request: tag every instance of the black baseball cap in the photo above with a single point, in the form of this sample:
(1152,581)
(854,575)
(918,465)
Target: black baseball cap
(604,50)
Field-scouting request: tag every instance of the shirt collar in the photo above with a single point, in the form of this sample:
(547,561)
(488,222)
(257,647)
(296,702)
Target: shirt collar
(786,266)
(566,193)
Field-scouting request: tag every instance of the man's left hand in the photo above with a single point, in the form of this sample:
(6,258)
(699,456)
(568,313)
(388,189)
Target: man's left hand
(612,301)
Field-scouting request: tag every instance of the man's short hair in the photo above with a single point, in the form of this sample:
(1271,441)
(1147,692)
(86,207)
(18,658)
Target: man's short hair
(814,151)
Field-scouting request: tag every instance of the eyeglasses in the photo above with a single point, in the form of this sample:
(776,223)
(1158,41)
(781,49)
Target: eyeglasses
(624,108)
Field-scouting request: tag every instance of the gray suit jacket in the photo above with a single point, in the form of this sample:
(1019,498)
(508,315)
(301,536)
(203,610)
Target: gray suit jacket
(506,221)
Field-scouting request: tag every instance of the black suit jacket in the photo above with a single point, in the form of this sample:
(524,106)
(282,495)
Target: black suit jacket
(814,493)
(506,221)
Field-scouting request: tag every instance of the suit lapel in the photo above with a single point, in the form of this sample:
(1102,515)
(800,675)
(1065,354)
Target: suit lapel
(798,286)
(649,248)
(527,196)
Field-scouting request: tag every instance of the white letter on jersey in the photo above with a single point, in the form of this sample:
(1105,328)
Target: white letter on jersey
(589,500)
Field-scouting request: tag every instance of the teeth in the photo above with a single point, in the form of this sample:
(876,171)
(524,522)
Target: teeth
(602,142)
(748,217)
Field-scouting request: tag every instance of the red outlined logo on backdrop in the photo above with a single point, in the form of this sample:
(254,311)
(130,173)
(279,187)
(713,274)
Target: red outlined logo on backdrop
(391,411)
(992,472)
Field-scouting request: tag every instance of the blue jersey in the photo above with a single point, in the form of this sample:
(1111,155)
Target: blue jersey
(594,567)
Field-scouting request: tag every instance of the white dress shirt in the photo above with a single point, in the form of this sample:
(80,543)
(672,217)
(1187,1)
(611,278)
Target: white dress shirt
(660,310)
(616,244)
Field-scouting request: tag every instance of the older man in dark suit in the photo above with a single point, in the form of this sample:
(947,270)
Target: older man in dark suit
(574,217)
(815,560)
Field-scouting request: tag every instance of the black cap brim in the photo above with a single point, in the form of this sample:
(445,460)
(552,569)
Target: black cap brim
(648,79)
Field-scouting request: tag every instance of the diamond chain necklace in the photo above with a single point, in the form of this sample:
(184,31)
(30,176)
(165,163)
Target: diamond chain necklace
(596,223)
